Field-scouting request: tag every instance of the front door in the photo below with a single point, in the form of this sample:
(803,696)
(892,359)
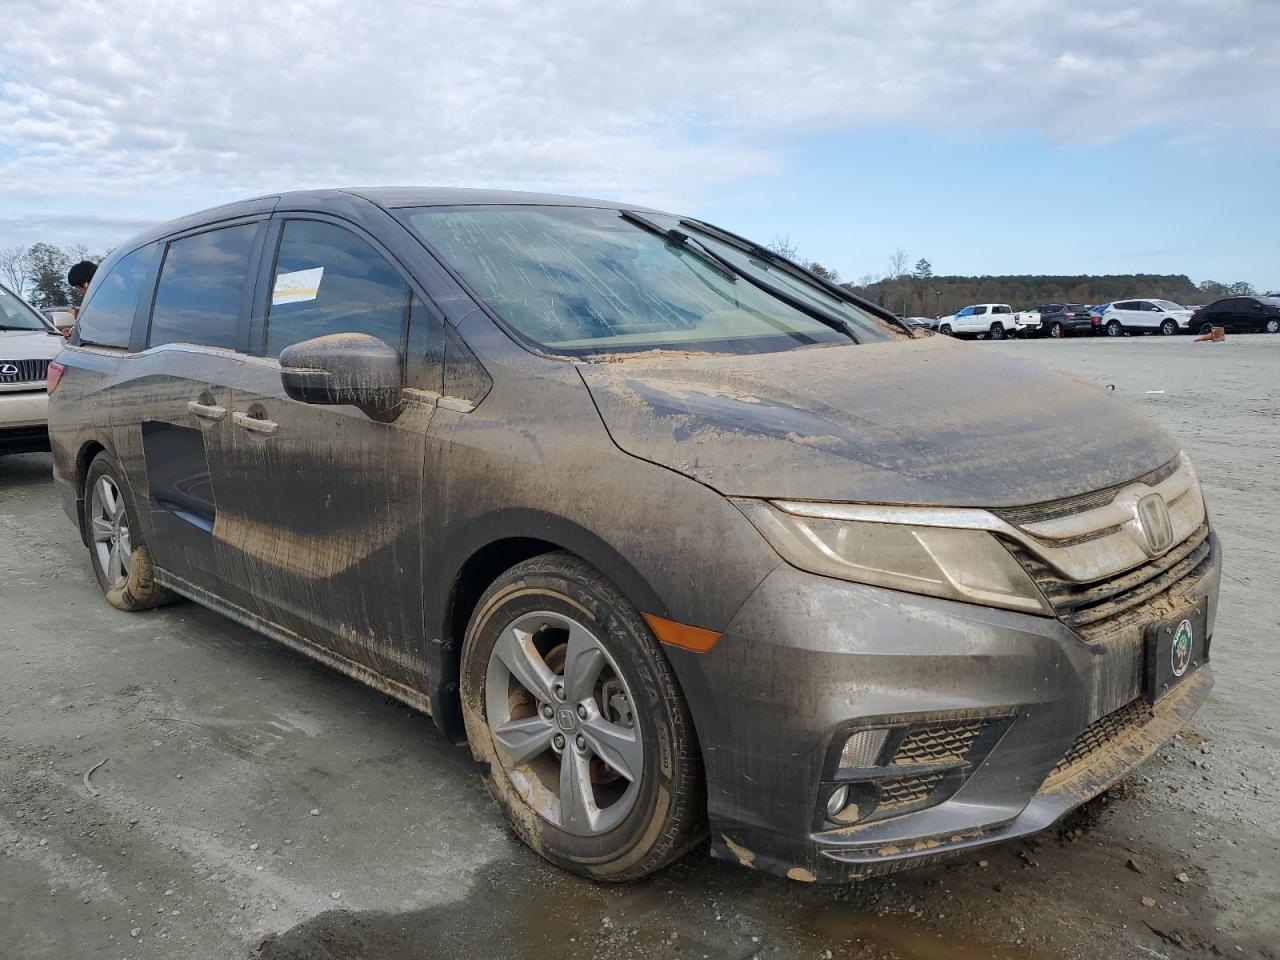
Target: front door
(325,517)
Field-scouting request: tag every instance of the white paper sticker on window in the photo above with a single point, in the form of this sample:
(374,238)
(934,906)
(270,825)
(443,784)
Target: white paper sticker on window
(297,287)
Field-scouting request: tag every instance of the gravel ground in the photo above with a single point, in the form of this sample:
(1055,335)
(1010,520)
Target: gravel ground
(253,804)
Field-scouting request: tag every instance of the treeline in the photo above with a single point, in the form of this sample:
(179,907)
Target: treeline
(911,295)
(39,272)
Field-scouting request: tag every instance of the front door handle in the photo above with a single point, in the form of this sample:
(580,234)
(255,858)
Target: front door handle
(206,411)
(267,428)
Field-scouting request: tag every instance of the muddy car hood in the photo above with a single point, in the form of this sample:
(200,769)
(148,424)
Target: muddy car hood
(930,421)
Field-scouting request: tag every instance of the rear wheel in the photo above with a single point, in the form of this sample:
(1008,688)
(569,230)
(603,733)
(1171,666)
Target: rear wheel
(1114,328)
(121,561)
(573,710)
(1206,328)
(997,331)
(1169,327)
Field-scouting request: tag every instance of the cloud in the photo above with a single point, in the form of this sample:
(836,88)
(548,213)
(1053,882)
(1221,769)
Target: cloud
(144,109)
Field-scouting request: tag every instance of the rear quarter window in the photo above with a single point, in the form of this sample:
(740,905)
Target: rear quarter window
(106,320)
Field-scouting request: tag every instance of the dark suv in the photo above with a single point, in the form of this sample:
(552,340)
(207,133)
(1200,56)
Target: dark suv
(646,514)
(1259,314)
(1062,319)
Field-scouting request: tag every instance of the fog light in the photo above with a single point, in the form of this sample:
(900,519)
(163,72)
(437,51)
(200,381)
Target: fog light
(837,801)
(863,749)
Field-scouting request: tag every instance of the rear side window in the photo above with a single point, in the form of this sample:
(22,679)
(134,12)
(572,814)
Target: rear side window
(328,280)
(107,319)
(201,292)
(1001,308)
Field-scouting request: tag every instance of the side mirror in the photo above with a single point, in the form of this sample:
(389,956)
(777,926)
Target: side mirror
(349,368)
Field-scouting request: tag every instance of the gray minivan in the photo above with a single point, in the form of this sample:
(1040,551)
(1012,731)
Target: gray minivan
(646,514)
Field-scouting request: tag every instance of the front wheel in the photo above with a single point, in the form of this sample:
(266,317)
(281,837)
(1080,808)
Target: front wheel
(574,712)
(1169,327)
(1114,328)
(1206,329)
(1273,325)
(945,330)
(1057,331)
(121,561)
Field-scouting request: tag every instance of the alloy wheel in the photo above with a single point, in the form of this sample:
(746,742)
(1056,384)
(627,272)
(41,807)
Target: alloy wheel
(1114,329)
(1273,326)
(561,717)
(1168,328)
(109,524)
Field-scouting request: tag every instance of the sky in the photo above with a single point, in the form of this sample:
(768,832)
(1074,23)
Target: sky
(1004,137)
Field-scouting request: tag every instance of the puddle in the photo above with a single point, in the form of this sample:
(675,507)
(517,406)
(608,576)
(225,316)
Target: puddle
(527,910)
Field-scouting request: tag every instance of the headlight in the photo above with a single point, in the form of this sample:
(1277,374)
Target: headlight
(967,565)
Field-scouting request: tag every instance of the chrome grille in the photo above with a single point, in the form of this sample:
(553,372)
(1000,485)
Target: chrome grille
(943,743)
(1101,606)
(903,791)
(1039,512)
(24,371)
(1102,732)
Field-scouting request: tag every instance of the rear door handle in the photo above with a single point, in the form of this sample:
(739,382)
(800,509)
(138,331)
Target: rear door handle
(206,411)
(267,428)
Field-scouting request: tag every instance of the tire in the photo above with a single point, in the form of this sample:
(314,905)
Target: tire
(537,737)
(1169,327)
(1057,331)
(121,560)
(945,330)
(997,331)
(1272,326)
(1206,328)
(1114,328)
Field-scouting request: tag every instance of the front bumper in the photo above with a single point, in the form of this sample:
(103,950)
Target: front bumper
(24,420)
(807,657)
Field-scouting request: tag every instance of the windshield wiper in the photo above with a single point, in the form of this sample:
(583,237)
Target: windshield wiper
(5,326)
(681,240)
(726,266)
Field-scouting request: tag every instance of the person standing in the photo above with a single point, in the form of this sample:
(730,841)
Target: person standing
(79,278)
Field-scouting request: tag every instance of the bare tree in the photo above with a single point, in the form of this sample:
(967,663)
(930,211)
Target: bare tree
(13,268)
(897,263)
(784,247)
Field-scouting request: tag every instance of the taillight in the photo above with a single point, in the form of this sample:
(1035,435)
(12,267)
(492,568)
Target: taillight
(54,376)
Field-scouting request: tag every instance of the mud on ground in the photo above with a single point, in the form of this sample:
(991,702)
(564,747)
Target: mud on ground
(255,804)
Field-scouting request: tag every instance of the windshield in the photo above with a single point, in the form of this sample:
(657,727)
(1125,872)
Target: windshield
(16,315)
(584,281)
(1168,305)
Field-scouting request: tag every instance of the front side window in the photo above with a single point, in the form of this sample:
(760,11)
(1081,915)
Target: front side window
(202,286)
(328,280)
(966,312)
(583,281)
(979,311)
(106,319)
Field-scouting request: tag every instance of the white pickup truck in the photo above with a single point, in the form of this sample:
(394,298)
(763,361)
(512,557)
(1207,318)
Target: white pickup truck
(995,320)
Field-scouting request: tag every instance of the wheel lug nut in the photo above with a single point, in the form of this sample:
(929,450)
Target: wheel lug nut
(581,741)
(559,692)
(582,711)
(558,741)
(547,712)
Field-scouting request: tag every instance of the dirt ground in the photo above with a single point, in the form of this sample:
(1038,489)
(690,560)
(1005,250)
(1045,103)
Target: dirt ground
(253,804)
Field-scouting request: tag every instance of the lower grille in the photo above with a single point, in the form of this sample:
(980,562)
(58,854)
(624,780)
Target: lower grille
(904,791)
(943,743)
(24,371)
(1102,732)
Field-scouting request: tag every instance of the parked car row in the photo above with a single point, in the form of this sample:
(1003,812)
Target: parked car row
(998,321)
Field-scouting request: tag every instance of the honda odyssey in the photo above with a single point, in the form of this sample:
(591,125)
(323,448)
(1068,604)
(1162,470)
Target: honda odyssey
(648,516)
